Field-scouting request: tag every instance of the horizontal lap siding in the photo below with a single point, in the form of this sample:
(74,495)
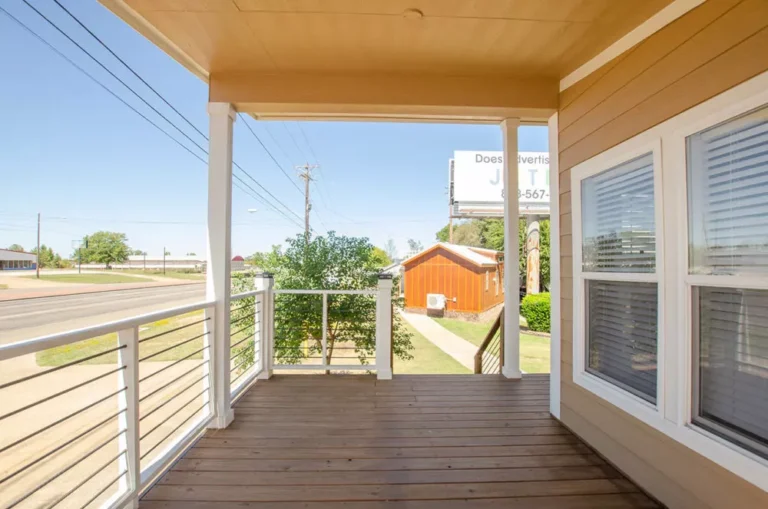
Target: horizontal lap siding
(712,48)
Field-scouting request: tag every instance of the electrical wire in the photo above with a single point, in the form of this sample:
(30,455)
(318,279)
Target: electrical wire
(253,194)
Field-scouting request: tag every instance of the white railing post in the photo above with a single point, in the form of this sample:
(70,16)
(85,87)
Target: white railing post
(384,328)
(128,400)
(324,341)
(266,327)
(219,263)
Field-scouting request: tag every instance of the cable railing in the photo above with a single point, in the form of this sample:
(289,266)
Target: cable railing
(490,356)
(246,338)
(91,417)
(326,330)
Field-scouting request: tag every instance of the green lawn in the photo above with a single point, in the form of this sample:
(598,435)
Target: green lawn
(534,350)
(75,351)
(174,274)
(3,287)
(427,359)
(91,278)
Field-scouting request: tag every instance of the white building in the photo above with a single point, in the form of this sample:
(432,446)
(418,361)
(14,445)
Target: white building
(17,260)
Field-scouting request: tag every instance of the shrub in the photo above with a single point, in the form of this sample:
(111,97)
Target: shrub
(536,311)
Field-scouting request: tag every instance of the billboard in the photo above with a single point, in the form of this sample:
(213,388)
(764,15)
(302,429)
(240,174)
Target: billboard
(476,183)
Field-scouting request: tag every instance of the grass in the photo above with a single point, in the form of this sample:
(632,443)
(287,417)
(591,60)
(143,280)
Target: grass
(174,274)
(534,350)
(427,359)
(3,287)
(76,351)
(98,279)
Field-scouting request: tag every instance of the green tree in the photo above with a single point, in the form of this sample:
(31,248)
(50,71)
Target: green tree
(191,254)
(15,247)
(391,249)
(138,252)
(414,246)
(105,247)
(380,257)
(47,258)
(325,263)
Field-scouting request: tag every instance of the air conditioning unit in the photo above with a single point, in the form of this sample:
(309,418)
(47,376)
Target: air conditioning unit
(435,301)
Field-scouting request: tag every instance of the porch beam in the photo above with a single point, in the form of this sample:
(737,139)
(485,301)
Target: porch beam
(387,97)
(218,271)
(511,368)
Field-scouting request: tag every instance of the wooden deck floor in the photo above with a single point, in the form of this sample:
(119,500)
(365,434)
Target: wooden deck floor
(427,442)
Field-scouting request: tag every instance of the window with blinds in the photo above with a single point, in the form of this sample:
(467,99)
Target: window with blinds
(618,218)
(728,197)
(618,236)
(622,335)
(731,393)
(728,237)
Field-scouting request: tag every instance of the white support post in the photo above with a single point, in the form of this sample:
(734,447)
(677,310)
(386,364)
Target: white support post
(554,267)
(324,342)
(384,328)
(128,400)
(222,117)
(266,338)
(511,368)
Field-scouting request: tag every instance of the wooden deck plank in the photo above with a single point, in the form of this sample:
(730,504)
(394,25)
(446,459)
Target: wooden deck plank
(427,442)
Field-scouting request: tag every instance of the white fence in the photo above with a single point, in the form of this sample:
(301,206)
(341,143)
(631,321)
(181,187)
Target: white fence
(92,417)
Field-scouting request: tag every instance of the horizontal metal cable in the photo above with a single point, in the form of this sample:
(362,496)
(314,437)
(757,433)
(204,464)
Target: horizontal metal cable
(174,364)
(242,364)
(161,405)
(172,347)
(237,378)
(174,381)
(174,430)
(61,393)
(41,430)
(242,340)
(241,330)
(57,368)
(84,481)
(67,469)
(232,322)
(167,418)
(102,490)
(174,330)
(60,447)
(249,305)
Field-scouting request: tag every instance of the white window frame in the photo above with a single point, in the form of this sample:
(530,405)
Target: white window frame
(672,414)
(620,397)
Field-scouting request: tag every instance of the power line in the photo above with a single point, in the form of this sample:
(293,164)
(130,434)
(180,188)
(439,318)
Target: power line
(268,152)
(285,126)
(258,197)
(158,94)
(62,32)
(306,140)
(277,143)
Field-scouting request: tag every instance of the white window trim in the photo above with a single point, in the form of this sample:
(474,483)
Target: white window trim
(672,413)
(616,395)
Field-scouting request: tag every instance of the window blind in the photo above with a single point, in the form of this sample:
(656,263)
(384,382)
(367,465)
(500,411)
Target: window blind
(728,197)
(732,390)
(622,334)
(618,226)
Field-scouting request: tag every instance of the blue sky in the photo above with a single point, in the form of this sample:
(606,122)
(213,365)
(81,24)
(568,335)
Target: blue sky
(86,162)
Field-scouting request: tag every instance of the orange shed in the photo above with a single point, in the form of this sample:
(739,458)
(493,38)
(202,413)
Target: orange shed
(470,278)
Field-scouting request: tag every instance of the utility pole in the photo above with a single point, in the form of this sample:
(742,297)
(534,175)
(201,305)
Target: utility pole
(305,173)
(450,224)
(37,265)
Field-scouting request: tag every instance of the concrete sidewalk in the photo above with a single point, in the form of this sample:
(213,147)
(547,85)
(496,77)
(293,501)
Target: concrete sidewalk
(457,347)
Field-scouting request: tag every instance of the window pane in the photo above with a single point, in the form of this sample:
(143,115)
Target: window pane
(622,334)
(728,197)
(618,227)
(733,365)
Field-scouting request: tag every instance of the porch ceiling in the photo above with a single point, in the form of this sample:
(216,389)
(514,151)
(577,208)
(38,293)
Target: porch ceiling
(497,41)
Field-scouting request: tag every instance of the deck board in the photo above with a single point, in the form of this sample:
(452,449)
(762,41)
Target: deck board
(453,442)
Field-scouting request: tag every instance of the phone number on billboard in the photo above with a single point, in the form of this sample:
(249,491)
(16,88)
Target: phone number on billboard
(533,194)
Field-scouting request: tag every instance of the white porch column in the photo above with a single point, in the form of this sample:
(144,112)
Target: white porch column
(554,266)
(511,367)
(217,283)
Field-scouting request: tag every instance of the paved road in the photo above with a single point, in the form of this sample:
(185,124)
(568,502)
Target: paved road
(24,319)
